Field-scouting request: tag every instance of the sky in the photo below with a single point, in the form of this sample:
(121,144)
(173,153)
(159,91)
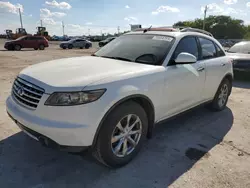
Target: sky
(83,17)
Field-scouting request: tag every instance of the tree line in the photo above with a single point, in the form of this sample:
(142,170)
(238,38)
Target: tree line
(222,27)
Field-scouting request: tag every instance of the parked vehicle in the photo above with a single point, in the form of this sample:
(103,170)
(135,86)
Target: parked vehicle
(36,42)
(110,101)
(76,43)
(106,41)
(240,53)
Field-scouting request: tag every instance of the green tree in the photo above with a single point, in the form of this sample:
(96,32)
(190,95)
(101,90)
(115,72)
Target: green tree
(222,27)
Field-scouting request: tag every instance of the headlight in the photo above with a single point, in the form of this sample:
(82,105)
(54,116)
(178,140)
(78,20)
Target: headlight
(74,98)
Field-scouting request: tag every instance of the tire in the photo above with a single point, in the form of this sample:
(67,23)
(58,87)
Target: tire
(64,47)
(221,97)
(70,46)
(41,47)
(104,149)
(87,46)
(17,47)
(81,47)
(35,48)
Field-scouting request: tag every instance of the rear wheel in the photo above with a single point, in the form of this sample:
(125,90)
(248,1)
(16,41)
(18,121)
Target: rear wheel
(17,47)
(70,46)
(41,47)
(35,48)
(121,135)
(221,97)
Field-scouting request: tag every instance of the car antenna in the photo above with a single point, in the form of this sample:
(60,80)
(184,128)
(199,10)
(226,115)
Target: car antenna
(145,30)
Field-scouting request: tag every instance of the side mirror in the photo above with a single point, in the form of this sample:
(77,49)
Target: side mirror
(185,58)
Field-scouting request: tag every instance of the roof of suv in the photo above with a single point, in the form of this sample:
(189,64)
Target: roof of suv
(169,33)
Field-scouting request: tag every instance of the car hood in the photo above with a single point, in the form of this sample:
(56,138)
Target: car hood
(78,72)
(238,56)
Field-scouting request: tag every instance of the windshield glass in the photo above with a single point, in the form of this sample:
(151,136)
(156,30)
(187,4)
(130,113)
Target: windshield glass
(143,48)
(241,47)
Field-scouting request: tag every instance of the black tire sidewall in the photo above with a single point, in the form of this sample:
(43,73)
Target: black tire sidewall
(104,139)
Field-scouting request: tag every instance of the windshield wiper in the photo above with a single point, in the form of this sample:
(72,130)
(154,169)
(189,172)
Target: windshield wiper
(118,58)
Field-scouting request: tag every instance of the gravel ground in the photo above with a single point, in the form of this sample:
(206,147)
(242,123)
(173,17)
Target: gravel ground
(199,149)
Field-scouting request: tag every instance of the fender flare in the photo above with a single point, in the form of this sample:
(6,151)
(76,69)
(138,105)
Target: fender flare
(130,97)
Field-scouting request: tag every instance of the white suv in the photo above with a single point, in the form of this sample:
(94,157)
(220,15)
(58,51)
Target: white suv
(112,99)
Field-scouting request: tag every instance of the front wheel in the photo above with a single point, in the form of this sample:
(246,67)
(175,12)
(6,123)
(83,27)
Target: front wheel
(17,47)
(121,135)
(221,97)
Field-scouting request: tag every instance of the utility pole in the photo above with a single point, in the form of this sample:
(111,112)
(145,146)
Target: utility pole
(21,21)
(118,30)
(41,23)
(205,15)
(63,27)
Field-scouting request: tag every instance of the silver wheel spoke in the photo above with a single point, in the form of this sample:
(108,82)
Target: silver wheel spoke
(116,138)
(133,125)
(118,147)
(128,120)
(119,126)
(124,147)
(135,132)
(131,141)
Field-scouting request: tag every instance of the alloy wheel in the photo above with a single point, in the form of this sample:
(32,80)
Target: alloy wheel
(223,95)
(126,135)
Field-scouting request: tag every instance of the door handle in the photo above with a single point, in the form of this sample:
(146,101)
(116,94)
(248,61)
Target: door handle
(223,64)
(201,69)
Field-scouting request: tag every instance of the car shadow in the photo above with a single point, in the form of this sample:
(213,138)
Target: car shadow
(175,147)
(241,84)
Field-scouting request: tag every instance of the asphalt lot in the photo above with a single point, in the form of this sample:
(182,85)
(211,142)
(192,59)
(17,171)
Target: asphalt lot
(199,149)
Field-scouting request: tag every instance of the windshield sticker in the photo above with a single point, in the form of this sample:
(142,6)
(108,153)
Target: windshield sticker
(169,39)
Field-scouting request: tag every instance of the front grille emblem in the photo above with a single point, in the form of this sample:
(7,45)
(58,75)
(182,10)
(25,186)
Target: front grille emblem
(20,91)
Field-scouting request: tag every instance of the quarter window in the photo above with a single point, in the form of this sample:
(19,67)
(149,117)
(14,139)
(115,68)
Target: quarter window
(220,52)
(208,49)
(188,45)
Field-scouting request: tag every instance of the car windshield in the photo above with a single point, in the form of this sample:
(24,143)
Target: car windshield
(241,47)
(139,48)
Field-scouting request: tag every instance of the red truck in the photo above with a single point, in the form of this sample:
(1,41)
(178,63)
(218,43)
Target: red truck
(36,42)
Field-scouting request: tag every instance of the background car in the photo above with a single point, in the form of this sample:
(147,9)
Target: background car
(36,42)
(76,43)
(106,41)
(240,53)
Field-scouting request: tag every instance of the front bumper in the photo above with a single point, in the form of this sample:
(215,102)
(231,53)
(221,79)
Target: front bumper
(66,126)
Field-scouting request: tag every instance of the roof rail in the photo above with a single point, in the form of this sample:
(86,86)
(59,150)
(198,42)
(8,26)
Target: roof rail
(157,29)
(190,29)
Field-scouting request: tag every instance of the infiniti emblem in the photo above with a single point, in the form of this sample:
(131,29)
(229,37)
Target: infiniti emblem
(20,91)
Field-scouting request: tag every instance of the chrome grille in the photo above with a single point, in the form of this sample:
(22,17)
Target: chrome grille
(26,93)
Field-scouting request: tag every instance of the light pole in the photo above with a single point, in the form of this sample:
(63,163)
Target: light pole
(20,17)
(205,14)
